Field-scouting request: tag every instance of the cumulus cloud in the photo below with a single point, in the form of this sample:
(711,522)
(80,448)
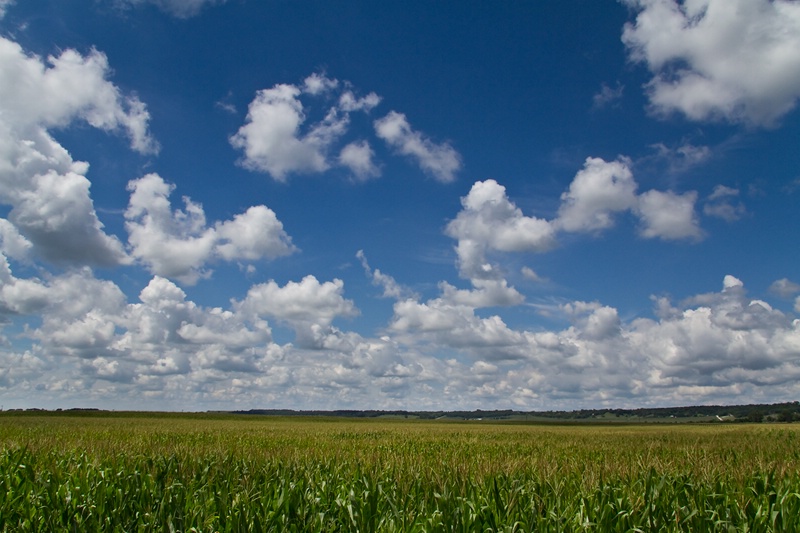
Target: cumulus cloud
(594,321)
(668,216)
(485,293)
(349,102)
(275,141)
(178,243)
(731,60)
(602,189)
(48,192)
(271,140)
(359,158)
(317,84)
(19,296)
(166,334)
(453,325)
(68,87)
(172,244)
(707,347)
(489,221)
(441,161)
(21,369)
(305,305)
(306,301)
(12,243)
(164,347)
(719,336)
(57,214)
(257,233)
(449,321)
(597,192)
(79,313)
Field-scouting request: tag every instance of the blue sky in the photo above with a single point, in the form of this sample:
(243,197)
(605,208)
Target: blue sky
(398,205)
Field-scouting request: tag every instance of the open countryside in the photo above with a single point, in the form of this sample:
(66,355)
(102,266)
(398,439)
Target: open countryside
(92,471)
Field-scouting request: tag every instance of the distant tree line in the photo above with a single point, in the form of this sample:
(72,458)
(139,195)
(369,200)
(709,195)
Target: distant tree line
(778,412)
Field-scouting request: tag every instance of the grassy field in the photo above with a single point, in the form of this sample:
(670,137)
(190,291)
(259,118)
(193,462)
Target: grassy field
(224,473)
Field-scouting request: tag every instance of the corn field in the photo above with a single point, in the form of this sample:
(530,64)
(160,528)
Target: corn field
(204,473)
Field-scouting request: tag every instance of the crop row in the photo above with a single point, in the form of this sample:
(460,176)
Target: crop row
(280,476)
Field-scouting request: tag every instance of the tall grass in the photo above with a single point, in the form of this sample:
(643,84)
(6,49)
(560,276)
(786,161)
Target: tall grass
(263,474)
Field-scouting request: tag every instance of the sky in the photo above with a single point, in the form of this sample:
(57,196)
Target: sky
(254,204)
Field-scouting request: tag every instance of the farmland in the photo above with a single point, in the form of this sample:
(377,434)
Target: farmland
(171,472)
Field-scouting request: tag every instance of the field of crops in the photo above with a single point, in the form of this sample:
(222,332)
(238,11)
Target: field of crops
(224,473)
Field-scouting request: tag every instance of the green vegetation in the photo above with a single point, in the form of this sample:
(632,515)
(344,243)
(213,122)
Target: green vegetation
(111,472)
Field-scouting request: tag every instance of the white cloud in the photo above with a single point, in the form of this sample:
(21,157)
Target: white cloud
(391,289)
(597,192)
(733,60)
(78,312)
(47,190)
(359,158)
(486,293)
(306,305)
(161,294)
(703,350)
(276,139)
(713,343)
(179,243)
(271,137)
(668,216)
(57,215)
(12,244)
(595,321)
(531,275)
(489,221)
(274,142)
(255,234)
(440,160)
(453,325)
(172,244)
(307,301)
(317,84)
(21,369)
(168,350)
(602,189)
(49,94)
(726,335)
(349,102)
(19,296)
(166,334)
(719,204)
